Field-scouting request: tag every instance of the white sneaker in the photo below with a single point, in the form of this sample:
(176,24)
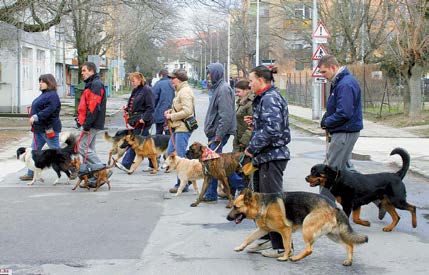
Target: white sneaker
(164,165)
(120,166)
(259,246)
(273,253)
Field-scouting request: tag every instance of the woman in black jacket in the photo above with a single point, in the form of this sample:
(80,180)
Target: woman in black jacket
(139,112)
(45,117)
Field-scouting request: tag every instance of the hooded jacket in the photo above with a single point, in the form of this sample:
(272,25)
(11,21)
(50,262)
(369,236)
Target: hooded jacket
(220,117)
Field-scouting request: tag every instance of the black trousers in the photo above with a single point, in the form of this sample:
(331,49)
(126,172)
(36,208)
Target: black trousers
(269,179)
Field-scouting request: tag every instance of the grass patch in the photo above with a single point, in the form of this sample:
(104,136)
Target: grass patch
(398,119)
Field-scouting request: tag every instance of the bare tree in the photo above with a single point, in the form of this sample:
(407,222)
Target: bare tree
(410,46)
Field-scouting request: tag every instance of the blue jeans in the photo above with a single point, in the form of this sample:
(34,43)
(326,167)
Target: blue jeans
(211,193)
(41,140)
(128,159)
(181,139)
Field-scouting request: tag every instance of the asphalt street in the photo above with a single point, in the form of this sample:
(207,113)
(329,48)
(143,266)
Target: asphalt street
(139,228)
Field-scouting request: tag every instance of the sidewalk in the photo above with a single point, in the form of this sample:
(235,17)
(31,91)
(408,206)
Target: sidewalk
(375,142)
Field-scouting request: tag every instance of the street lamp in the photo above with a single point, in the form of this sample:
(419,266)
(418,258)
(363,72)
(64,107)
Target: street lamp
(257,34)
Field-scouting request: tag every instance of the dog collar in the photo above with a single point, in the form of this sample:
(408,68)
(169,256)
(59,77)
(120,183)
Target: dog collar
(209,154)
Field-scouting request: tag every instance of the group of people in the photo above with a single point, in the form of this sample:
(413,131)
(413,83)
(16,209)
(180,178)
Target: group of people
(256,115)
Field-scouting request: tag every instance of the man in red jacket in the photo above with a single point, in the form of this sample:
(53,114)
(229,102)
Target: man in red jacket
(91,117)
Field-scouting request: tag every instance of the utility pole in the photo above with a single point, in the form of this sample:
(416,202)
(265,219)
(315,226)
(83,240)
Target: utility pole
(316,93)
(257,34)
(228,72)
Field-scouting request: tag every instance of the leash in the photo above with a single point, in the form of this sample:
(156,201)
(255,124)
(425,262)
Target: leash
(32,129)
(327,145)
(213,141)
(171,135)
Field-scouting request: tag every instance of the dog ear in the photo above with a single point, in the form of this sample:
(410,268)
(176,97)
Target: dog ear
(247,195)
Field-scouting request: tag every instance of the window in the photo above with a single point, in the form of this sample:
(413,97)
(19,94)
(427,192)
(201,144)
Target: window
(40,65)
(302,11)
(27,68)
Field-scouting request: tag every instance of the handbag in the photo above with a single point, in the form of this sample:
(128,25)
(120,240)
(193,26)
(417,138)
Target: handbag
(190,122)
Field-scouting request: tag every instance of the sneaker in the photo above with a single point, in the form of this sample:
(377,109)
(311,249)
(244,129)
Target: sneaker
(173,190)
(26,177)
(164,165)
(273,253)
(120,166)
(259,246)
(147,169)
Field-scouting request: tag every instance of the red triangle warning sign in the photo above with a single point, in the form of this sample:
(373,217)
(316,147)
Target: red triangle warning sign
(320,31)
(320,51)
(316,72)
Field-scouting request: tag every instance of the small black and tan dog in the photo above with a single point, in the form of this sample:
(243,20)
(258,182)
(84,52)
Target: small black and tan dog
(289,211)
(352,190)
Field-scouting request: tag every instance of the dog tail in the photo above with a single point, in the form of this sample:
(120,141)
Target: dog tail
(405,161)
(346,231)
(107,137)
(71,143)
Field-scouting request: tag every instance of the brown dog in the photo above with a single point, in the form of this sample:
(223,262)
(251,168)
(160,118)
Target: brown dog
(146,147)
(100,174)
(187,170)
(217,168)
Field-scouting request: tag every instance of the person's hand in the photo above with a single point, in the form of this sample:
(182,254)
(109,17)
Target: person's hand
(248,154)
(248,119)
(168,116)
(31,121)
(141,121)
(322,121)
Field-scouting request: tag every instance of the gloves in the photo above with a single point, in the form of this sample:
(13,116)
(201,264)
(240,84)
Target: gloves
(322,121)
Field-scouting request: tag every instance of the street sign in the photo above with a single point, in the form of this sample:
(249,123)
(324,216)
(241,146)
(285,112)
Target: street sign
(320,51)
(320,80)
(319,40)
(320,31)
(316,72)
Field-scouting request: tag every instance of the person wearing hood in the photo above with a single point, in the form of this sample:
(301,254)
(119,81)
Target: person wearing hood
(220,122)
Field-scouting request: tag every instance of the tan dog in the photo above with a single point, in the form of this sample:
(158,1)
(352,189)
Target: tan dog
(187,170)
(100,174)
(286,212)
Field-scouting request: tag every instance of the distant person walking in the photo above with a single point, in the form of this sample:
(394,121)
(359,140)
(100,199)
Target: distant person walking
(45,118)
(164,94)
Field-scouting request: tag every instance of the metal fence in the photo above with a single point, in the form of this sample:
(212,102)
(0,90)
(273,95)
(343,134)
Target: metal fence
(380,94)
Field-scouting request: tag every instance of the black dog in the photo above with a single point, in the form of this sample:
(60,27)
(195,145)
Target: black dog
(58,159)
(353,190)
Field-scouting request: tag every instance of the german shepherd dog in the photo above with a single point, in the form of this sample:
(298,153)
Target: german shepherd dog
(187,170)
(58,159)
(287,212)
(352,190)
(100,174)
(117,140)
(146,146)
(218,168)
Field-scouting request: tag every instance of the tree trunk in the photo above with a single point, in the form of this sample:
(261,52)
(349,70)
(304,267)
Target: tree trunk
(415,93)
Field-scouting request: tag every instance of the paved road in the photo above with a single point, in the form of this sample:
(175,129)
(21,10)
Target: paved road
(139,228)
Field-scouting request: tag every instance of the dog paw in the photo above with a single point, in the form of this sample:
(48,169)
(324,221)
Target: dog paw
(238,249)
(347,263)
(283,258)
(194,204)
(30,183)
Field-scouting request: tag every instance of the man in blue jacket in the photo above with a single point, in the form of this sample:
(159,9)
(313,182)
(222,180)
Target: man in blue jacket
(343,117)
(164,93)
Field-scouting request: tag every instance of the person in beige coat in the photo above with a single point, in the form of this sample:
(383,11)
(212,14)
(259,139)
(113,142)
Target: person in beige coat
(182,108)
